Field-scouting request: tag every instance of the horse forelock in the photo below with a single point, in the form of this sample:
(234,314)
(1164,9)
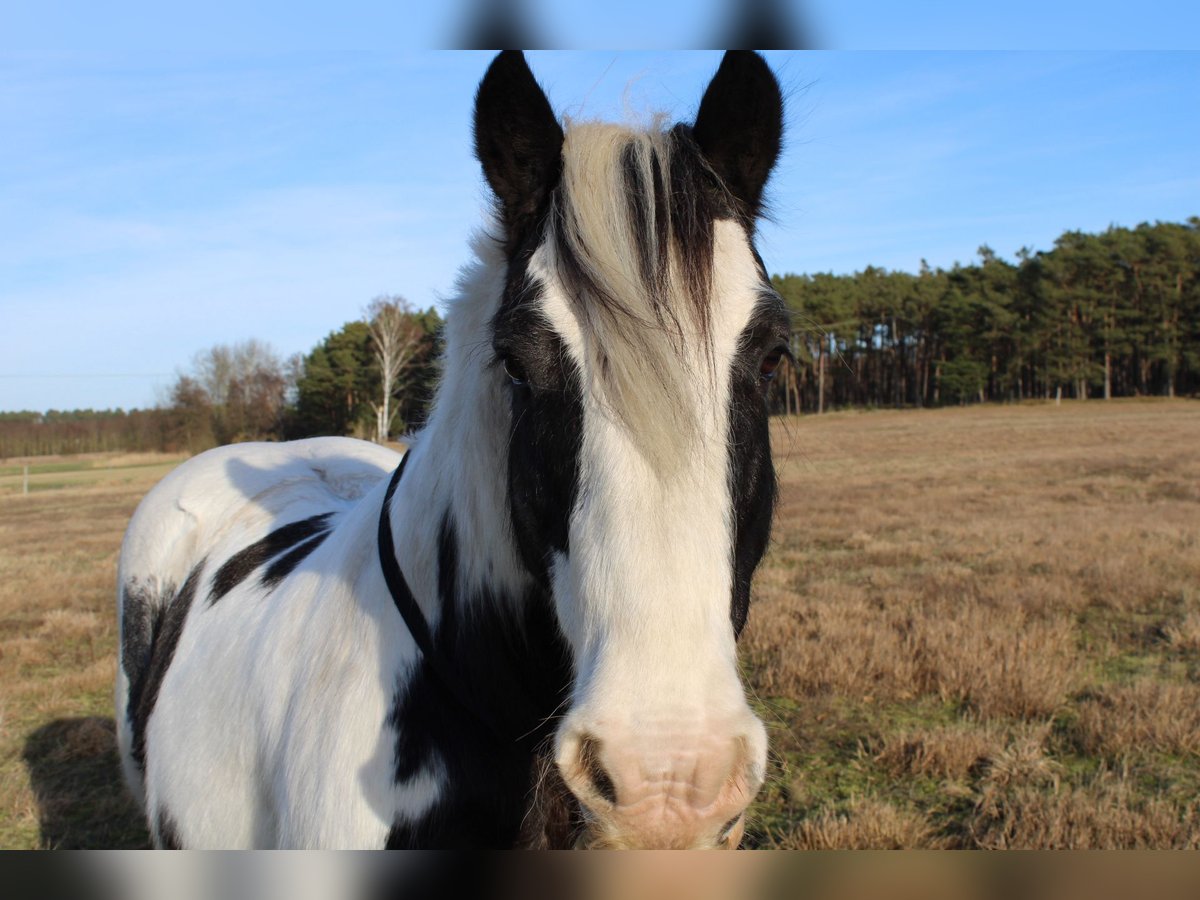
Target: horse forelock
(630,240)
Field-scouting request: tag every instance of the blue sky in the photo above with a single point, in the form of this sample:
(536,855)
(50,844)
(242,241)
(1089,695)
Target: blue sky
(158,199)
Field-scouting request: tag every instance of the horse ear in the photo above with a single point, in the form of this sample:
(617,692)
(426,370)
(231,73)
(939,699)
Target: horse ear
(518,142)
(739,127)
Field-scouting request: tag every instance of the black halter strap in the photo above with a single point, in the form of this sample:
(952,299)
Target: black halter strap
(418,627)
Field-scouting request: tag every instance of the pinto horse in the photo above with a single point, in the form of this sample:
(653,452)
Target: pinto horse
(524,630)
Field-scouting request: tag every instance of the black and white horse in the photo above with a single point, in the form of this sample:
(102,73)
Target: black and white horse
(325,646)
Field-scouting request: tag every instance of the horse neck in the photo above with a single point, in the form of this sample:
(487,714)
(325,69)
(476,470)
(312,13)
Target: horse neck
(451,523)
(451,508)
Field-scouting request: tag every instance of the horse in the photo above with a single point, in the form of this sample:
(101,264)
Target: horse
(522,631)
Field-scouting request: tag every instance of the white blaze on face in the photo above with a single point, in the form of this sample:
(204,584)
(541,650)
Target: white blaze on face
(643,594)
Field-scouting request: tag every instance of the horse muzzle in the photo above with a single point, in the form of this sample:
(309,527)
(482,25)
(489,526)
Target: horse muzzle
(661,788)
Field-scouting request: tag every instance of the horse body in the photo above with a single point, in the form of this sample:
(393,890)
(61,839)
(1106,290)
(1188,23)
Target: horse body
(575,528)
(243,683)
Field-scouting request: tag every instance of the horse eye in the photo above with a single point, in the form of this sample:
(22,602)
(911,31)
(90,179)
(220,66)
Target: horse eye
(770,362)
(515,371)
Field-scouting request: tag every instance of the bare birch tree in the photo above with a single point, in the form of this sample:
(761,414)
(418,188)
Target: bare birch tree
(396,339)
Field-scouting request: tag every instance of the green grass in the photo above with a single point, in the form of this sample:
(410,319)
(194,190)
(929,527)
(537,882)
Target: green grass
(822,760)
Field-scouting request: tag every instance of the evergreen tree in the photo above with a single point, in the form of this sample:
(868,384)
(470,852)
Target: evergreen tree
(1099,315)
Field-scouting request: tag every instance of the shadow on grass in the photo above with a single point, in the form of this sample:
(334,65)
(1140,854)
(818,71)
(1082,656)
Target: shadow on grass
(81,794)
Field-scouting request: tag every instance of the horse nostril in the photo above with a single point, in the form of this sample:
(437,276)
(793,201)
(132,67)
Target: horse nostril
(589,761)
(727,830)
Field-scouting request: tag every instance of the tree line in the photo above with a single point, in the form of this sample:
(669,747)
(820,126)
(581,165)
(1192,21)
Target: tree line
(372,378)
(1114,314)
(28,433)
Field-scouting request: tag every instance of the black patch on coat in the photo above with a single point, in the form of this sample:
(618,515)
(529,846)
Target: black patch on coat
(168,834)
(751,470)
(509,656)
(518,143)
(165,629)
(139,606)
(547,427)
(242,564)
(282,567)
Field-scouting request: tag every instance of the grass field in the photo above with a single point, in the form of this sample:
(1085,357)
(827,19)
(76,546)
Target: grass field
(981,628)
(59,781)
(54,473)
(975,628)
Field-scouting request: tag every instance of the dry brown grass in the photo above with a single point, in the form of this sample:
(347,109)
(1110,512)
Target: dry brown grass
(975,628)
(866,825)
(997,660)
(1149,714)
(1105,812)
(1185,634)
(59,782)
(967,614)
(952,752)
